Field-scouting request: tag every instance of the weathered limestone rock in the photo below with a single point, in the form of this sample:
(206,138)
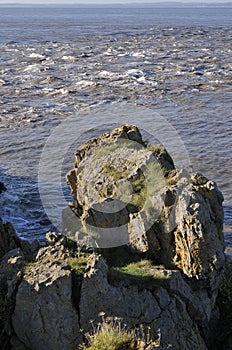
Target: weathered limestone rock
(57,305)
(45,316)
(126,192)
(163,305)
(13,255)
(116,176)
(191,234)
(199,230)
(126,189)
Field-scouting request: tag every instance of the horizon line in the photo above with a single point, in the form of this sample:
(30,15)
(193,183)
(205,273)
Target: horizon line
(166,2)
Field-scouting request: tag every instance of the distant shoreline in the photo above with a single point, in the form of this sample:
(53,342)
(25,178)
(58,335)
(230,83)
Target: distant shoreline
(126,5)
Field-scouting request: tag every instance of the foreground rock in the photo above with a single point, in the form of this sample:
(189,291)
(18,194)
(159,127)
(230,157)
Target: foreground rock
(44,301)
(58,301)
(10,276)
(146,249)
(14,253)
(64,292)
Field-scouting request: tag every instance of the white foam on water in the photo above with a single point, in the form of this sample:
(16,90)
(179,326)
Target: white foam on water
(43,81)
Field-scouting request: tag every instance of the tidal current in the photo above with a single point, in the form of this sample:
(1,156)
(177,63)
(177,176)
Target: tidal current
(56,62)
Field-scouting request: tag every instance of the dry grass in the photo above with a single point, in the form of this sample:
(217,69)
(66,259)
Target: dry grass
(112,334)
(108,335)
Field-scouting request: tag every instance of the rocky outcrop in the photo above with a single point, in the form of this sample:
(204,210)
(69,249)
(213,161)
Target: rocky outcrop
(14,254)
(58,301)
(143,244)
(127,192)
(63,293)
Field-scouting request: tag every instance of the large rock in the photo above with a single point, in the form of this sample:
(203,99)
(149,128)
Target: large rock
(45,316)
(57,304)
(115,176)
(14,253)
(126,192)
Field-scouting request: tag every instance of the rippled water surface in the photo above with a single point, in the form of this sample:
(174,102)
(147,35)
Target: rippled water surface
(56,61)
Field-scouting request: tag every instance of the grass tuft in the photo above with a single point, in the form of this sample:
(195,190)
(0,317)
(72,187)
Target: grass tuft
(112,334)
(78,264)
(108,335)
(137,272)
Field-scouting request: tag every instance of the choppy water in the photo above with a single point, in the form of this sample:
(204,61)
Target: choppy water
(56,61)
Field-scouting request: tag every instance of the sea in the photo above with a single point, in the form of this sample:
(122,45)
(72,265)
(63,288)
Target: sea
(57,61)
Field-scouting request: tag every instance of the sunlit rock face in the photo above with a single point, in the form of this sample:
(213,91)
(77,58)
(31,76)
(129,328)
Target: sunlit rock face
(126,192)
